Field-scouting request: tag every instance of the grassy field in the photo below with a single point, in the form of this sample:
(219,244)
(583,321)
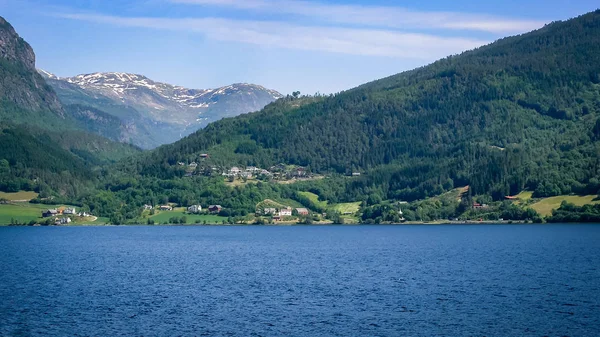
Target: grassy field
(21,195)
(26,212)
(314,199)
(545,206)
(345,208)
(525,195)
(163,217)
(20,212)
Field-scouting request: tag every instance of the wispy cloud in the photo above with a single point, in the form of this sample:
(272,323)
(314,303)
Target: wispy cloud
(281,34)
(378,16)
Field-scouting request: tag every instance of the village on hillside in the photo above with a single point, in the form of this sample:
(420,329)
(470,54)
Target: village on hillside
(278,173)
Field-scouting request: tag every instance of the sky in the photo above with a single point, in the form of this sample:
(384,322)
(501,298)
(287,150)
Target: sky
(310,46)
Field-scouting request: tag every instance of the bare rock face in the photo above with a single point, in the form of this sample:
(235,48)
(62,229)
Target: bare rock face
(14,48)
(21,87)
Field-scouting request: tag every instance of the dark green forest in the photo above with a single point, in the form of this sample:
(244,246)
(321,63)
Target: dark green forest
(521,113)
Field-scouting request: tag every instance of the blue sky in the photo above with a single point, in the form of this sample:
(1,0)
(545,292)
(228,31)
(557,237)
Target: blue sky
(312,46)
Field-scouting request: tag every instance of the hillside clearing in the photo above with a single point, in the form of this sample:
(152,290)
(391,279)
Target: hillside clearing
(545,206)
(27,212)
(18,196)
(314,199)
(347,208)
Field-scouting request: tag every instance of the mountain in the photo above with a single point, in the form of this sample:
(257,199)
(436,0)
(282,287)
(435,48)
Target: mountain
(520,113)
(24,95)
(158,113)
(44,144)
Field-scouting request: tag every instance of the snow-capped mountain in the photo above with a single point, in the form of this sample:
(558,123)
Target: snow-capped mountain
(178,109)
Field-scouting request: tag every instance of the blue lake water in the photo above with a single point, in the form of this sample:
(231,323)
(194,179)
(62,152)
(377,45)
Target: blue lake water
(478,280)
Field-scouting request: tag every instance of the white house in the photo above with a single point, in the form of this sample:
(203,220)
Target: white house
(269,210)
(148,207)
(235,170)
(285,211)
(62,221)
(195,209)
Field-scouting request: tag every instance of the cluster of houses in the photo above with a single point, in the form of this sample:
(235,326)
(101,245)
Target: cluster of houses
(247,173)
(277,172)
(67,211)
(72,211)
(284,212)
(194,209)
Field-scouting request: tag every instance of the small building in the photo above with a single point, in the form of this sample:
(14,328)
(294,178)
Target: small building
(246,175)
(195,209)
(193,165)
(62,221)
(302,211)
(49,213)
(266,173)
(215,208)
(83,214)
(479,206)
(299,172)
(166,208)
(269,211)
(204,155)
(285,211)
(70,211)
(235,170)
(148,207)
(356,174)
(276,217)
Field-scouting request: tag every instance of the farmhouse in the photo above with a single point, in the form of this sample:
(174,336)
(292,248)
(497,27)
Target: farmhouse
(302,211)
(269,210)
(479,206)
(70,211)
(215,208)
(62,221)
(195,209)
(49,213)
(285,211)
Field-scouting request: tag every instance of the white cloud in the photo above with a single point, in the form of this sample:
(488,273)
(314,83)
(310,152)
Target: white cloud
(378,16)
(280,34)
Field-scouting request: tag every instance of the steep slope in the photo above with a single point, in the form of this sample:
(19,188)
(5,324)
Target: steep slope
(41,143)
(24,95)
(168,112)
(520,113)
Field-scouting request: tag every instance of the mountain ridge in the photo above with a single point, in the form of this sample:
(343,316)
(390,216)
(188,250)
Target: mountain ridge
(166,111)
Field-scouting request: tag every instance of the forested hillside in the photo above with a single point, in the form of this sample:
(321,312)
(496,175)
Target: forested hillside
(519,113)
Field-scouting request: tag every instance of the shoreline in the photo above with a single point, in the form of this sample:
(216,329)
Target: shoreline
(412,223)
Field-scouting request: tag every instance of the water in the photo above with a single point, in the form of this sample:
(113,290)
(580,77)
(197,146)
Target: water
(301,281)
